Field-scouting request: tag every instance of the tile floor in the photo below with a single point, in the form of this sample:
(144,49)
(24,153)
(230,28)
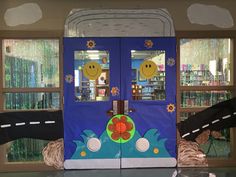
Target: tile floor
(154,172)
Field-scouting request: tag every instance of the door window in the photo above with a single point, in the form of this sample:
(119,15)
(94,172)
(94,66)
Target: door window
(148,75)
(91,70)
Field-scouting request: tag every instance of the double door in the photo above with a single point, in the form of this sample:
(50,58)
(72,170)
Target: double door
(119,102)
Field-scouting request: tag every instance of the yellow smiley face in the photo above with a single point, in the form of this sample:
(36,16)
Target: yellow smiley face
(148,69)
(92,70)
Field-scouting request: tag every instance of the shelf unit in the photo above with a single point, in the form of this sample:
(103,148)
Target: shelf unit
(93,90)
(202,78)
(152,89)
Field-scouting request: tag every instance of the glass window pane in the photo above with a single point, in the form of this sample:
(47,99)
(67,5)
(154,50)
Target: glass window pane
(25,149)
(206,62)
(31,63)
(23,101)
(148,75)
(92,75)
(191,99)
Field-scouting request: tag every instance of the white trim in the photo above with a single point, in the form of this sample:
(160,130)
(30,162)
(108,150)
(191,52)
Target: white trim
(234,113)
(92,163)
(119,163)
(148,162)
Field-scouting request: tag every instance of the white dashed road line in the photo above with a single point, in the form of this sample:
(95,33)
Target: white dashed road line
(34,123)
(197,130)
(207,125)
(215,121)
(20,124)
(49,122)
(31,123)
(204,126)
(185,135)
(226,117)
(5,125)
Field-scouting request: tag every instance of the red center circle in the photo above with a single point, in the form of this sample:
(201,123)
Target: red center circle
(120,127)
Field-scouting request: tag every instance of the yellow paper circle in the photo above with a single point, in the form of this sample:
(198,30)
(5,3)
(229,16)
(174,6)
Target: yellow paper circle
(92,70)
(148,69)
(83,154)
(155,150)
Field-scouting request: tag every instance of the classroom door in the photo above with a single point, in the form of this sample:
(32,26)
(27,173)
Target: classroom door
(148,87)
(119,102)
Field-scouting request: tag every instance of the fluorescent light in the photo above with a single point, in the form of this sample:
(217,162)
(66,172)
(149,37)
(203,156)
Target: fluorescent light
(93,51)
(76,78)
(212,67)
(229,47)
(93,56)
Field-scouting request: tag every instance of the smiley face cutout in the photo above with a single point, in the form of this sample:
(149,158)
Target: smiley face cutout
(92,70)
(148,69)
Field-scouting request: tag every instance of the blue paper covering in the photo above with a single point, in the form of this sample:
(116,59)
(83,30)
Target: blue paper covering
(155,121)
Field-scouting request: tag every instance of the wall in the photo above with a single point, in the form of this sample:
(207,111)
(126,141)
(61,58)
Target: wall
(54,12)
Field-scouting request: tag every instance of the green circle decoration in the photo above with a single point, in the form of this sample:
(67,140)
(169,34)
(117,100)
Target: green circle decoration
(120,128)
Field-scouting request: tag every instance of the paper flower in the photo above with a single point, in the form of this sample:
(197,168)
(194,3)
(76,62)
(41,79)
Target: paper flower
(91,44)
(115,91)
(148,44)
(171,62)
(120,128)
(170,107)
(69,78)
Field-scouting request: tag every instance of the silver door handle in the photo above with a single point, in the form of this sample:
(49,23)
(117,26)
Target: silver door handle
(115,107)
(126,107)
(127,110)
